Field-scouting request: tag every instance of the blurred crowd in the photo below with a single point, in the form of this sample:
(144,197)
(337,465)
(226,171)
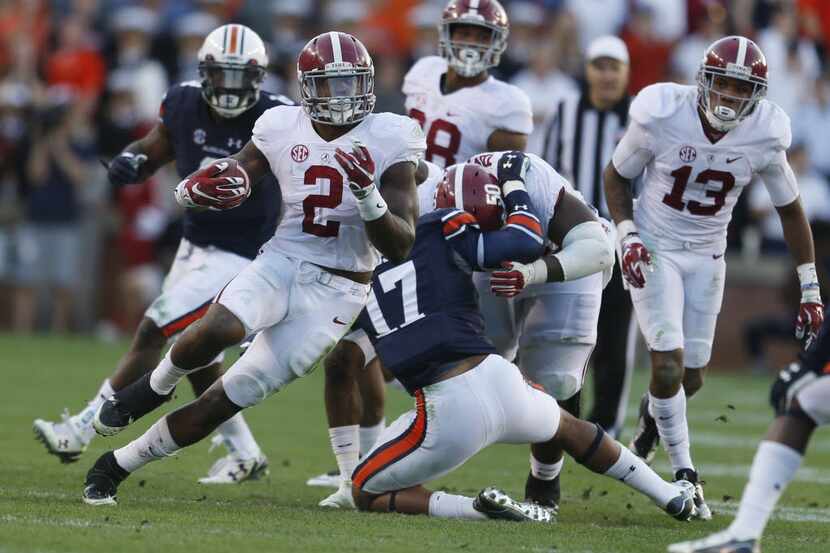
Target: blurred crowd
(80,79)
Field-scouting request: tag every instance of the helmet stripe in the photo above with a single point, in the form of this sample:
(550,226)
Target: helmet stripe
(474,5)
(225,40)
(336,52)
(458,185)
(234,33)
(742,47)
(242,40)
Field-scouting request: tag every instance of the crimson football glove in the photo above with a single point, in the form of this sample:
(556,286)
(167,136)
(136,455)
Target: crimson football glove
(635,260)
(360,169)
(808,323)
(221,185)
(515,277)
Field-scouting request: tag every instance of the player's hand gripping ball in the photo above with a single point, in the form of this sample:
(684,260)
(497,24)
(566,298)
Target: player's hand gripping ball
(222,185)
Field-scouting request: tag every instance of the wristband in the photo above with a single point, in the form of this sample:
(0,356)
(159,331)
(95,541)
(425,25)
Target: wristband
(808,279)
(512,186)
(537,272)
(372,206)
(626,227)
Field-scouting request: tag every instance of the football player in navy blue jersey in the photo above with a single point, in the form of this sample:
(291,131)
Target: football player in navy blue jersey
(423,322)
(199,121)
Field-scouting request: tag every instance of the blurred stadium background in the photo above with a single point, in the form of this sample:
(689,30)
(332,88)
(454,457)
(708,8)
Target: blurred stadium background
(79,79)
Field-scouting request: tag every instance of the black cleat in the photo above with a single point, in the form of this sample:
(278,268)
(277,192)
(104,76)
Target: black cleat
(494,503)
(647,438)
(102,480)
(127,406)
(543,492)
(702,510)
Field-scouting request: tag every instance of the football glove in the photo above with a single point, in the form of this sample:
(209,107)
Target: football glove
(635,260)
(512,166)
(124,168)
(516,277)
(207,188)
(811,310)
(360,169)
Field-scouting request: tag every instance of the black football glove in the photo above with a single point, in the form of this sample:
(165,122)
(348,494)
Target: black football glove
(124,168)
(790,380)
(512,167)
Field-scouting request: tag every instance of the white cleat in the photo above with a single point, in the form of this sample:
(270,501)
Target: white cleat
(682,507)
(703,512)
(494,503)
(233,470)
(61,439)
(341,499)
(722,542)
(329,479)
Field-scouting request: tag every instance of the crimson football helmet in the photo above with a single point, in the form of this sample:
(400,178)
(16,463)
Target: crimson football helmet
(467,58)
(735,57)
(232,63)
(337,79)
(469,187)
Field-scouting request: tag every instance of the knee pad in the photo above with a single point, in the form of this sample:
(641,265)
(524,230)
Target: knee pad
(697,353)
(562,386)
(558,366)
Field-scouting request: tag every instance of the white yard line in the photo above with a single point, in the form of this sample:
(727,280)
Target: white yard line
(804,474)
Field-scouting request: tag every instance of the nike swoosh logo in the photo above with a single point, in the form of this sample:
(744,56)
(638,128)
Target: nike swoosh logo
(717,256)
(733,159)
(337,321)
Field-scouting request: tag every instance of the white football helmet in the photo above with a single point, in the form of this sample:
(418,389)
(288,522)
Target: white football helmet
(232,64)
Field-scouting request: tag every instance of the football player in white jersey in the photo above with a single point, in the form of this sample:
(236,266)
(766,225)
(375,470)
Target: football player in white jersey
(311,280)
(801,399)
(698,147)
(463,110)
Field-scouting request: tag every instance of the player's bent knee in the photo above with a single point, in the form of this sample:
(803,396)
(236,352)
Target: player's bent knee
(219,326)
(693,380)
(343,362)
(148,336)
(562,386)
(667,370)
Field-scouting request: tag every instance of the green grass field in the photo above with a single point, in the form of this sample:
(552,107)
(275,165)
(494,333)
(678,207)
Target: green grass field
(163,508)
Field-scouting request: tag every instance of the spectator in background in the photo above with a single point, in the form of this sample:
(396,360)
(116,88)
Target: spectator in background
(792,60)
(649,53)
(685,59)
(810,124)
(190,32)
(595,18)
(527,26)
(423,19)
(289,21)
(671,17)
(76,63)
(545,85)
(61,160)
(133,28)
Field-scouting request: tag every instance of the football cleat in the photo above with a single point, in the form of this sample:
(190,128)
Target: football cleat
(102,480)
(341,499)
(494,503)
(682,506)
(230,469)
(330,479)
(62,439)
(646,438)
(543,492)
(127,406)
(703,511)
(721,542)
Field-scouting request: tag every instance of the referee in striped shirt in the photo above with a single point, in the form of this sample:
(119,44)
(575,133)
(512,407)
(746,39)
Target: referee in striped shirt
(579,141)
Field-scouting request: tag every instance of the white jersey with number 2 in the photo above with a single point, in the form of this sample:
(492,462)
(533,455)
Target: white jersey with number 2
(320,222)
(691,185)
(458,125)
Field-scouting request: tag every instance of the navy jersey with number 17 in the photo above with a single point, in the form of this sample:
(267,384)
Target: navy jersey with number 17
(422,315)
(199,136)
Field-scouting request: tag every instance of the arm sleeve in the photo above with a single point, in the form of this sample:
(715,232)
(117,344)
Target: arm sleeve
(634,151)
(411,143)
(779,180)
(520,239)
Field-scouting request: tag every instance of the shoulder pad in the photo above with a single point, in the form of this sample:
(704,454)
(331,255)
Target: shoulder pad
(423,69)
(277,99)
(773,120)
(390,125)
(659,101)
(279,118)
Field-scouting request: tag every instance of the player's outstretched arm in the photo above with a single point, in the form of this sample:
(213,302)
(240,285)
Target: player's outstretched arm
(618,194)
(390,213)
(142,158)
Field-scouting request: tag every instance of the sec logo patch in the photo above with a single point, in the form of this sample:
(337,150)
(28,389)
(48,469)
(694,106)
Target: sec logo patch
(688,154)
(299,153)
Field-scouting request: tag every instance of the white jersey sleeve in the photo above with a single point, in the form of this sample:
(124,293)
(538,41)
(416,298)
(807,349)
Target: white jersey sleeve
(427,189)
(513,112)
(779,180)
(267,136)
(634,151)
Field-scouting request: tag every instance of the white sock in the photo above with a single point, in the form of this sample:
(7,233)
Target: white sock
(153,445)
(238,439)
(772,469)
(369,436)
(346,448)
(83,420)
(444,505)
(635,473)
(670,416)
(166,375)
(545,471)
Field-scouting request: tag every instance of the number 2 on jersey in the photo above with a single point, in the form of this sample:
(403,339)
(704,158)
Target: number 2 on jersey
(389,279)
(331,200)
(444,127)
(681,178)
